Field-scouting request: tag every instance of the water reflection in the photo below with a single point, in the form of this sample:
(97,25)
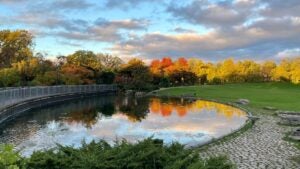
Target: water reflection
(166,107)
(190,122)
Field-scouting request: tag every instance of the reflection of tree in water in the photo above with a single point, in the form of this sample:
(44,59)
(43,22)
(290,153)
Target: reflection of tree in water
(135,109)
(89,112)
(107,109)
(87,116)
(165,107)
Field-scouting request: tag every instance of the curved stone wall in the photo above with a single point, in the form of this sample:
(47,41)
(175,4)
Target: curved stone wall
(17,100)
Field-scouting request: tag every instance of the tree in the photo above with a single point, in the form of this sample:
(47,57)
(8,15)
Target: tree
(85,59)
(28,69)
(183,78)
(106,77)
(135,74)
(47,79)
(181,64)
(227,71)
(15,46)
(76,75)
(282,71)
(267,69)
(295,70)
(166,66)
(155,67)
(109,62)
(9,77)
(249,71)
(199,68)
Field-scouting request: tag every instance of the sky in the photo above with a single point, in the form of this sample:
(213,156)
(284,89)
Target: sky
(148,29)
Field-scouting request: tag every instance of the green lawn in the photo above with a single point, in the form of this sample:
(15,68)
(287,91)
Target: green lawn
(283,96)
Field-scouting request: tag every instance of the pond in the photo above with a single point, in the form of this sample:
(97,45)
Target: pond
(190,122)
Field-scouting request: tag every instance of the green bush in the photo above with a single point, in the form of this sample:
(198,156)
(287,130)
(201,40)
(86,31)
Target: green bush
(9,159)
(147,154)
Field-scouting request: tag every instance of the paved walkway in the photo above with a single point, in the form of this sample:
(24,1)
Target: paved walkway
(259,147)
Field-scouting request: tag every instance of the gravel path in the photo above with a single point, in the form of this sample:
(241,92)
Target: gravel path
(259,147)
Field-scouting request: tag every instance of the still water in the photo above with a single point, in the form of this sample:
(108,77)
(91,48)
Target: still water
(112,118)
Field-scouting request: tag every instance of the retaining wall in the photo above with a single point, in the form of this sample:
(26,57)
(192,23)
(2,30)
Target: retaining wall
(18,100)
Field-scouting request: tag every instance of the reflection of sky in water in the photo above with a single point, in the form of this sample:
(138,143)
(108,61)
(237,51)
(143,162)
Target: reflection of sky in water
(189,123)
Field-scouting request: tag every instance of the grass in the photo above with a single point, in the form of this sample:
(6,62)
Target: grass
(283,96)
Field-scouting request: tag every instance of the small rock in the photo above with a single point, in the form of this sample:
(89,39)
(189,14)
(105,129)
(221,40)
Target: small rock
(243,101)
(295,135)
(289,118)
(270,108)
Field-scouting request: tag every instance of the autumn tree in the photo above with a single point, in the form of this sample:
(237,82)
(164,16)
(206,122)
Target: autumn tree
(166,66)
(249,71)
(31,68)
(282,71)
(77,75)
(227,71)
(155,67)
(15,46)
(267,69)
(181,64)
(295,70)
(200,69)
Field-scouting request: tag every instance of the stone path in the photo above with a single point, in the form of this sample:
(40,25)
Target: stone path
(261,147)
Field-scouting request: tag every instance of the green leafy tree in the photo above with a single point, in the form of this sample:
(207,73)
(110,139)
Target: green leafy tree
(183,78)
(135,74)
(109,62)
(106,78)
(9,77)
(85,59)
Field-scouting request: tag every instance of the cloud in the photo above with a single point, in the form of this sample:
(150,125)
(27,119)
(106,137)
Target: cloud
(279,8)
(124,24)
(127,4)
(50,14)
(238,28)
(50,5)
(262,38)
(71,4)
(289,53)
(12,1)
(104,31)
(183,30)
(213,14)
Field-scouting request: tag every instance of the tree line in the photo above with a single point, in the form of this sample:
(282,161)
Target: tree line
(20,66)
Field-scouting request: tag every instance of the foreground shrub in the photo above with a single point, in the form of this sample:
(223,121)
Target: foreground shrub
(8,158)
(147,154)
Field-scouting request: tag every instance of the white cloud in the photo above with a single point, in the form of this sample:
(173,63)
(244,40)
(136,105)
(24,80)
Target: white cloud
(289,53)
